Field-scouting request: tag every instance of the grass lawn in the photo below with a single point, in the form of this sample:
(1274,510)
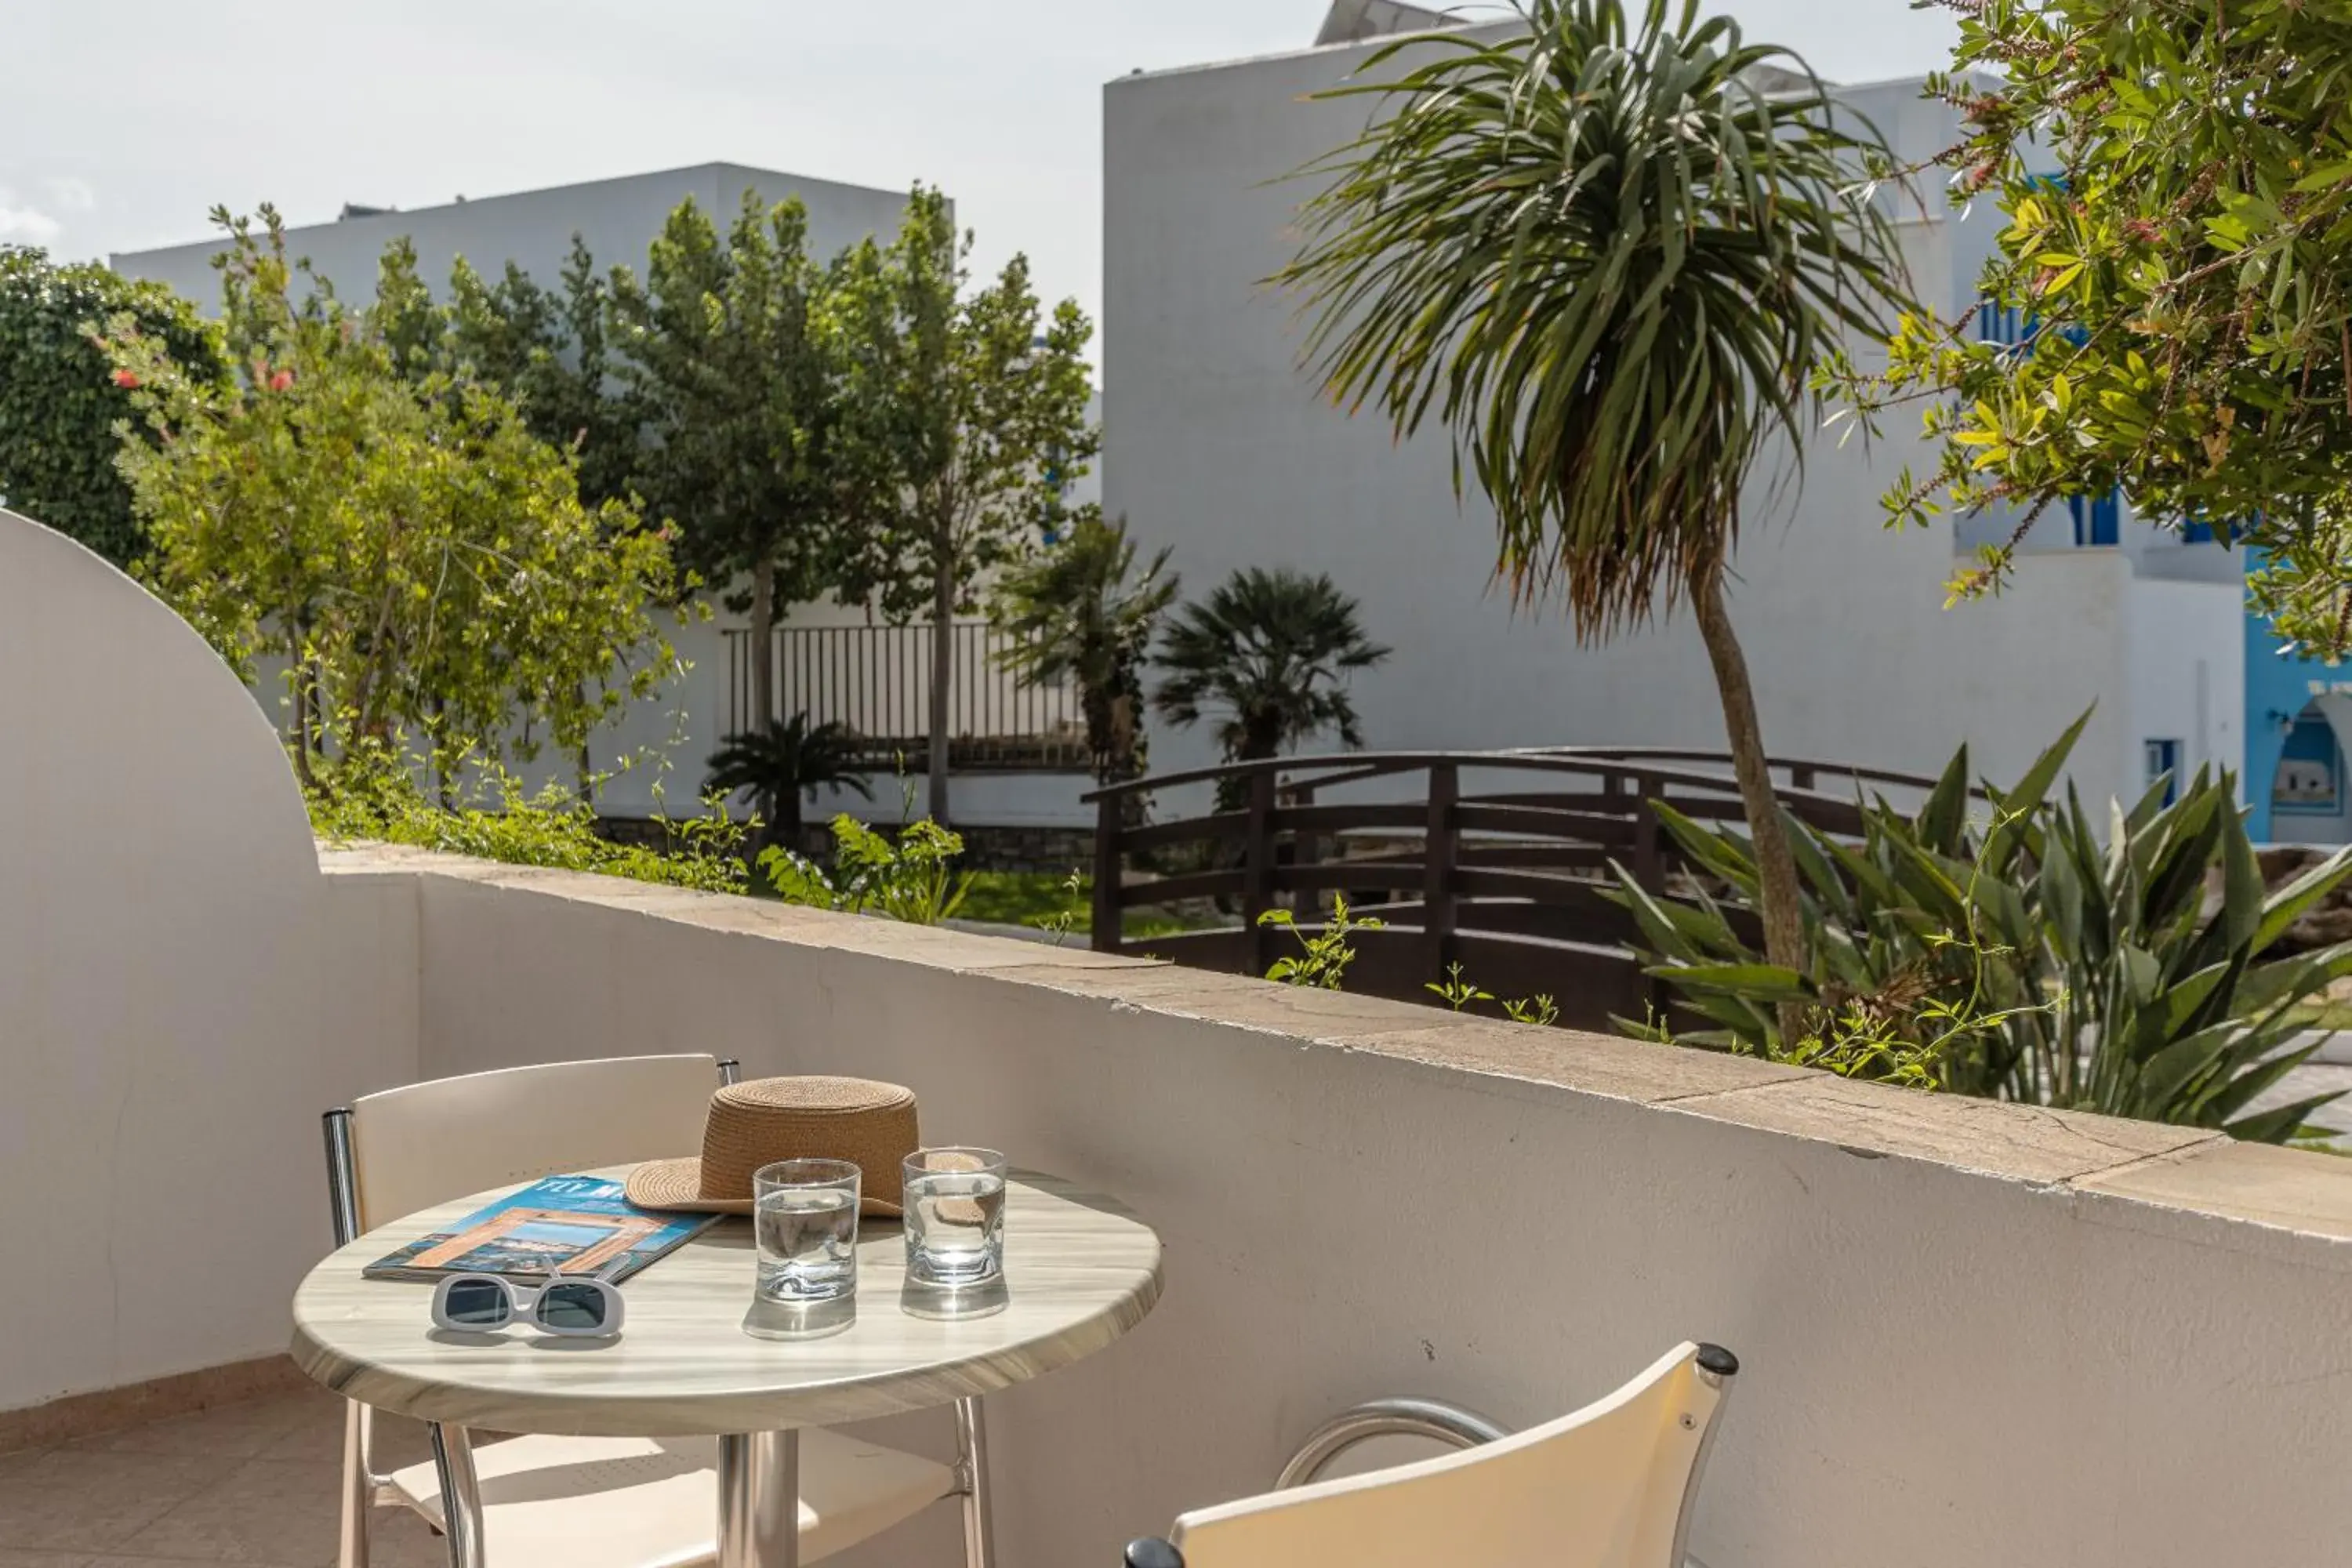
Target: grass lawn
(1034,898)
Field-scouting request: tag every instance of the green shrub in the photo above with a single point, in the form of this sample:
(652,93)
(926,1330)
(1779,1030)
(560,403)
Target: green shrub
(1323,955)
(368,796)
(912,879)
(2020,953)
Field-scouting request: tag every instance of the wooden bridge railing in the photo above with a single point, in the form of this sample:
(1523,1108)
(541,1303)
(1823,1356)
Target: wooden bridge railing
(1494,860)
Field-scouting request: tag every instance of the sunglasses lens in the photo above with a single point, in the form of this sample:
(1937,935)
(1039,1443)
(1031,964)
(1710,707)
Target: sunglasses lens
(572,1307)
(477,1304)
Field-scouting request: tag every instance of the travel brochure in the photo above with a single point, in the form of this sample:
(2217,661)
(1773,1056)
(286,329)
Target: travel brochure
(579,1226)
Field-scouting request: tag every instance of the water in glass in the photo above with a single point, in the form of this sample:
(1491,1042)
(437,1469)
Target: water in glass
(955,1215)
(806,1227)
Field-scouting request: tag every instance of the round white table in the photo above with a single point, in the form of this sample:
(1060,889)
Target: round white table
(1079,1272)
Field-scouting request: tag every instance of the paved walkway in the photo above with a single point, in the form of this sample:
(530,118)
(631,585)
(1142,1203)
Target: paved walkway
(2316,1077)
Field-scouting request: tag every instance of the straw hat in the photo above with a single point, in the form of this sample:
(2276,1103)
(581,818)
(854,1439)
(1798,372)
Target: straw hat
(762,1121)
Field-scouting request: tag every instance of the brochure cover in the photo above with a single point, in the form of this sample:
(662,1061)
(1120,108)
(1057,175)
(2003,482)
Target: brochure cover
(561,1225)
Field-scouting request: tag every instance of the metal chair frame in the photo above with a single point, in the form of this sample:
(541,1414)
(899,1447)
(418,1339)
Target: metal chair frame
(453,1448)
(1455,1426)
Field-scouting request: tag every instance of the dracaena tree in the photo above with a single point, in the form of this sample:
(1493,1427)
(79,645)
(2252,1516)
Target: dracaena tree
(1606,253)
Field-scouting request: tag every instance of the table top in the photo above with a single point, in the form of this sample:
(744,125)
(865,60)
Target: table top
(1079,1270)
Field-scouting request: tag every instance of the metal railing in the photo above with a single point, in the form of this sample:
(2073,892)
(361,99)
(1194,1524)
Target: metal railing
(877,680)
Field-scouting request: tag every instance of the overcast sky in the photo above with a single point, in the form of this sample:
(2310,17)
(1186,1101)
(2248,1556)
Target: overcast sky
(127,119)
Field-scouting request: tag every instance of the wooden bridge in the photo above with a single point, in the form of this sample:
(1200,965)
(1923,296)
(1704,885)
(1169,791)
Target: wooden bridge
(1494,860)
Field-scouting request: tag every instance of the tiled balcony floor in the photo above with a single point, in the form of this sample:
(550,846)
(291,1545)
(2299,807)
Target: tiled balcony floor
(254,1483)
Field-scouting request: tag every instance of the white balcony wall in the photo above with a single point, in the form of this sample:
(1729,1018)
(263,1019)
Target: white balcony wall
(1972,1333)
(180,992)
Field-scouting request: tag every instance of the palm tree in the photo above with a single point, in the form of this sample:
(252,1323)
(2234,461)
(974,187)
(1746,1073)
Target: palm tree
(1611,257)
(777,767)
(1078,611)
(1270,649)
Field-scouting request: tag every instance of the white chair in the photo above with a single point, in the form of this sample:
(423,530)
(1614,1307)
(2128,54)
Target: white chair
(586,1503)
(1608,1487)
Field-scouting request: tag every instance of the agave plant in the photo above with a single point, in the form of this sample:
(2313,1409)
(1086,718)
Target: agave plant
(2127,966)
(781,766)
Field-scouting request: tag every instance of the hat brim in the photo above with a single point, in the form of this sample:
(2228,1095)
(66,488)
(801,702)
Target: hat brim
(676,1186)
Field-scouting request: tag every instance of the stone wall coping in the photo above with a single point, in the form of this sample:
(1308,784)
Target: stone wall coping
(2098,1161)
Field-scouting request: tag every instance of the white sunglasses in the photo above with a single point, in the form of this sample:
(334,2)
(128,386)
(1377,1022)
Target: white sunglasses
(484,1303)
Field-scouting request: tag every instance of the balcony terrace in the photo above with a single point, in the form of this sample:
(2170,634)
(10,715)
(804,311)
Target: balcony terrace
(1972,1333)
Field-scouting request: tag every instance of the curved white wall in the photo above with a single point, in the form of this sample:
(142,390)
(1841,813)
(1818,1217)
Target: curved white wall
(181,991)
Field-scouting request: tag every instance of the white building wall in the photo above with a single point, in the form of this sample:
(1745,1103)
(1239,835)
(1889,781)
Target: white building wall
(618,219)
(1223,448)
(2184,669)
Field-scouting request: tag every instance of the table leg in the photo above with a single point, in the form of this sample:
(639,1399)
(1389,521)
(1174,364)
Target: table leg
(972,1472)
(461,1495)
(359,1485)
(759,1499)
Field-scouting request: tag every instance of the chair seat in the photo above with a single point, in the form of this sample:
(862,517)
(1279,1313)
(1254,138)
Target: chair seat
(652,1502)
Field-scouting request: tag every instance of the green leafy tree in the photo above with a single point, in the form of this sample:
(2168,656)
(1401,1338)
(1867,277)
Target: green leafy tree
(777,767)
(549,349)
(2177,178)
(975,410)
(59,399)
(1272,651)
(546,349)
(1079,611)
(414,559)
(730,348)
(1607,254)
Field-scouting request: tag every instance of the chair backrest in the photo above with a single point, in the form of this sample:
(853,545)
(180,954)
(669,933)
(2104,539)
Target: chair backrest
(428,1143)
(1607,1487)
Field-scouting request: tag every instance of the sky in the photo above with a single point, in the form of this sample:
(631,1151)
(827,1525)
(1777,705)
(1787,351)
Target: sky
(129,119)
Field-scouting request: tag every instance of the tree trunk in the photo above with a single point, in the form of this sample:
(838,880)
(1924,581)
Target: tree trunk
(442,760)
(763,647)
(582,763)
(942,679)
(301,728)
(1102,738)
(1780,901)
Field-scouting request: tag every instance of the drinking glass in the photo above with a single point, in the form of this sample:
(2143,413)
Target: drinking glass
(804,1216)
(955,1217)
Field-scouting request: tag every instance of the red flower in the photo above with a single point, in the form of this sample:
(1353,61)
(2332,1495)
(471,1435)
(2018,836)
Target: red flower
(126,378)
(281,380)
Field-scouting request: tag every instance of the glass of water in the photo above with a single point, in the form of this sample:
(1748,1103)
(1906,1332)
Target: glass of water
(955,1217)
(804,1216)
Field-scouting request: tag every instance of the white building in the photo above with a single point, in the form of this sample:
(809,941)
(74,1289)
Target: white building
(1223,447)
(834,660)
